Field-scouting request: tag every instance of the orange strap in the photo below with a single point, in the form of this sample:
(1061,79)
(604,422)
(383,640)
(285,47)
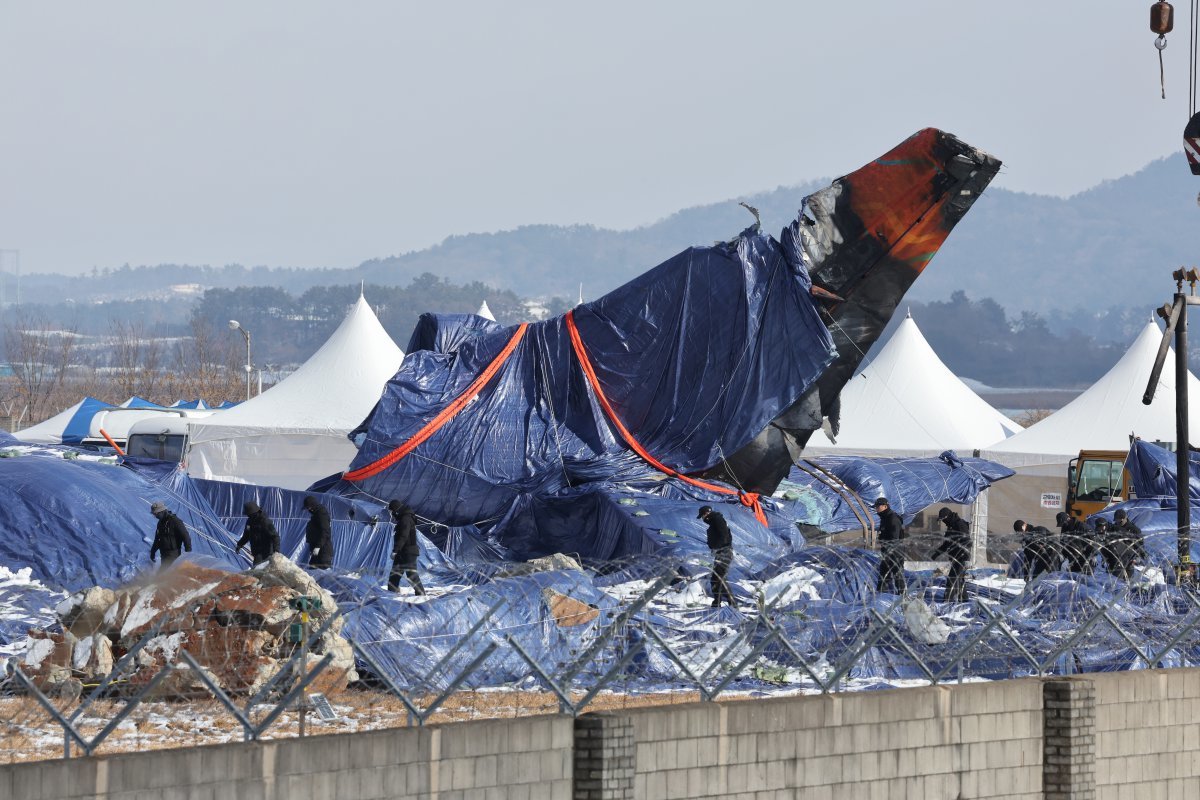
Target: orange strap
(749,499)
(446,414)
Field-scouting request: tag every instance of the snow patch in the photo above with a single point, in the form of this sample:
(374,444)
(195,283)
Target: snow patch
(37,651)
(797,583)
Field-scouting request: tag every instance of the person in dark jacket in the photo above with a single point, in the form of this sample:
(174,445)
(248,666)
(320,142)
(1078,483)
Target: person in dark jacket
(1127,545)
(405,549)
(720,542)
(891,538)
(318,535)
(259,532)
(1108,549)
(1039,550)
(170,535)
(1078,543)
(957,546)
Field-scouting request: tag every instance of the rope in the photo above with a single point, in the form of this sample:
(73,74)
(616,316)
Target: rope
(447,414)
(748,499)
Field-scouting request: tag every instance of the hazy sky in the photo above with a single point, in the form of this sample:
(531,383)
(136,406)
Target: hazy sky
(298,133)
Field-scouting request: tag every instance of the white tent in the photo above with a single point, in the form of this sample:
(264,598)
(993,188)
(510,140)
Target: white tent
(485,312)
(295,432)
(1101,418)
(1104,416)
(70,424)
(907,402)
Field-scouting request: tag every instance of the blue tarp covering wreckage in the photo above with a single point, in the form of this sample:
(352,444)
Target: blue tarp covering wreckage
(503,443)
(1152,471)
(699,354)
(909,484)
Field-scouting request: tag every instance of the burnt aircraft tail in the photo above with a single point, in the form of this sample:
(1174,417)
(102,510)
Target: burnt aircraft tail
(865,239)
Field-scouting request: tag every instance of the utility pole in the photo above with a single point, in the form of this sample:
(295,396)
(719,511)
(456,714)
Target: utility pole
(1175,313)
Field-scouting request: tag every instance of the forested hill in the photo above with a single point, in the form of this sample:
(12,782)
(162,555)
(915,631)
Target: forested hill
(1066,258)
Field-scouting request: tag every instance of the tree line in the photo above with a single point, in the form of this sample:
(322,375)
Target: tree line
(164,352)
(185,350)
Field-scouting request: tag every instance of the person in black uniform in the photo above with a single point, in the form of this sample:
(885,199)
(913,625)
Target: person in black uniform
(1127,543)
(1039,551)
(720,542)
(170,535)
(1079,544)
(405,550)
(891,537)
(259,532)
(318,535)
(1108,549)
(957,546)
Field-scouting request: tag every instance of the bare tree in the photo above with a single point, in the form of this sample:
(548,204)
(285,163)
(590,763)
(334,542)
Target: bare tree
(1032,416)
(206,365)
(40,356)
(135,361)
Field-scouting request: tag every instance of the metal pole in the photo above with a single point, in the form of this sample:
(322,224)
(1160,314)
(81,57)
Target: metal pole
(1184,511)
(304,665)
(249,368)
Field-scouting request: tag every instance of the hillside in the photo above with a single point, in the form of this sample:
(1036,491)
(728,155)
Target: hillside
(1065,258)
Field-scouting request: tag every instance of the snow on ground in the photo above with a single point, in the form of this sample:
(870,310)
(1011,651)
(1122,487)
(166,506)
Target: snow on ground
(24,603)
(788,587)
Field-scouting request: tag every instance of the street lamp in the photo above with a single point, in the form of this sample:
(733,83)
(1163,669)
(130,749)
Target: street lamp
(234,325)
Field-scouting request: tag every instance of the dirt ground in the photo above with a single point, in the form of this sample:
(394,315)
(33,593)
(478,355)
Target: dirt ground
(28,732)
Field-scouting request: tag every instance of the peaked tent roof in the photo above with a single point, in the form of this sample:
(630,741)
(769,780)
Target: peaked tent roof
(1103,417)
(65,427)
(485,312)
(330,393)
(139,402)
(907,401)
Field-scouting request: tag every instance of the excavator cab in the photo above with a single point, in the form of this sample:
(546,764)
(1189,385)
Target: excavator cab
(1095,480)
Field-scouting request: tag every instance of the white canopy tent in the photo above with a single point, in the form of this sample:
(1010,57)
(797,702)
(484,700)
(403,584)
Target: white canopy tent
(1107,413)
(295,432)
(906,402)
(485,312)
(1101,418)
(55,429)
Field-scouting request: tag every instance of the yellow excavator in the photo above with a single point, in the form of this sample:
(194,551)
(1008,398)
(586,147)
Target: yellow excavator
(1095,480)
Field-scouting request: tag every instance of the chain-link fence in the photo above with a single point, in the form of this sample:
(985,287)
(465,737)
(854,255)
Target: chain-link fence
(196,656)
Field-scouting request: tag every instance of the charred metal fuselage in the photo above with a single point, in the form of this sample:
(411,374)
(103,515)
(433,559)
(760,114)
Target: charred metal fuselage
(866,238)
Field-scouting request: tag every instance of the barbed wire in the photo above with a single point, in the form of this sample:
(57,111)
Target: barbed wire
(193,655)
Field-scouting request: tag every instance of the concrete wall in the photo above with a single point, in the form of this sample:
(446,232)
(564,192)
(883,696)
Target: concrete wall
(1148,734)
(976,740)
(1116,735)
(527,759)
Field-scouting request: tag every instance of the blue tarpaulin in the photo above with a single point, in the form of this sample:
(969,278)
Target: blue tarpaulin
(79,523)
(696,357)
(910,485)
(1152,471)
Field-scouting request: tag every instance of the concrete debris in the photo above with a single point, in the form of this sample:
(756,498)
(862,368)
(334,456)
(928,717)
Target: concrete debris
(237,626)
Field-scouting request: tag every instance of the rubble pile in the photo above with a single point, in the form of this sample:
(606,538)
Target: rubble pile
(240,627)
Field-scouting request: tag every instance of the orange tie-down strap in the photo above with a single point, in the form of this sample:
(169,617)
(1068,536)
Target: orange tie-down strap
(749,499)
(445,415)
